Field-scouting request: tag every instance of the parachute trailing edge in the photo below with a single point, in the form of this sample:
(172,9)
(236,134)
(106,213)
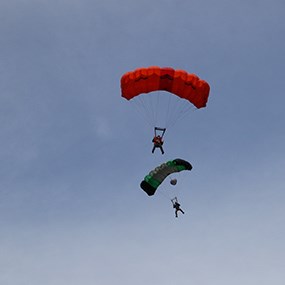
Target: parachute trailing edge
(179,82)
(152,181)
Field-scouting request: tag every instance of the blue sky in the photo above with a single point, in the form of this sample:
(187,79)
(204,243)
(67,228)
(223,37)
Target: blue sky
(73,152)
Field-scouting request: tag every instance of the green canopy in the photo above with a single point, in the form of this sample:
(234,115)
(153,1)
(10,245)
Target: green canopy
(156,176)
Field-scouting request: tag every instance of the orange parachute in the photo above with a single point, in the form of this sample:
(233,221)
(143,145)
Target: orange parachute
(178,82)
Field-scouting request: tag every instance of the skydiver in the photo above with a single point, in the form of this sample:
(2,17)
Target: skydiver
(157,143)
(158,139)
(176,206)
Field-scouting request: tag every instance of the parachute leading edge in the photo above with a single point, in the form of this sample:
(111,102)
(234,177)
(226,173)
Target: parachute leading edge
(152,181)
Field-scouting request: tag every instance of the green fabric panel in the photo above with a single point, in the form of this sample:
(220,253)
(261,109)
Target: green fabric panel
(153,182)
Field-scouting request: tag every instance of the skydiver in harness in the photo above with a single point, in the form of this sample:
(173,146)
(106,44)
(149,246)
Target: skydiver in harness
(158,139)
(176,206)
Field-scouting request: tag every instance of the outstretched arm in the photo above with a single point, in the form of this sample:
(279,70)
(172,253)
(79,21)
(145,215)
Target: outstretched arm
(162,130)
(174,200)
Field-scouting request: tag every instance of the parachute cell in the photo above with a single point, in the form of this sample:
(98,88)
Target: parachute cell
(152,181)
(179,82)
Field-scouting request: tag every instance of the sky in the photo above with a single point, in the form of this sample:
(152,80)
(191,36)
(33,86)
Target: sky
(73,151)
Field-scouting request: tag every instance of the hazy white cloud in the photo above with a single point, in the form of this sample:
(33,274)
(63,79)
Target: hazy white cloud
(103,128)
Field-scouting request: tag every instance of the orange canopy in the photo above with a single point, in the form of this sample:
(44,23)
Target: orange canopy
(179,82)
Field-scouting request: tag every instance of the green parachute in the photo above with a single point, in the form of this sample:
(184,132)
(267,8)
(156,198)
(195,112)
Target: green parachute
(152,181)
